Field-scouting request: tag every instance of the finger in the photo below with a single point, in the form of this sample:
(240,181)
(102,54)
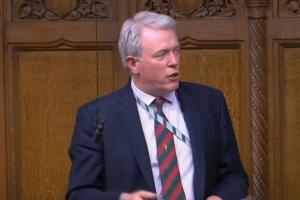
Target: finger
(146,194)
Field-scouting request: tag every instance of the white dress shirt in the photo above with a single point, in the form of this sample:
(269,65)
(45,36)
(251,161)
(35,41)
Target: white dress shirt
(183,151)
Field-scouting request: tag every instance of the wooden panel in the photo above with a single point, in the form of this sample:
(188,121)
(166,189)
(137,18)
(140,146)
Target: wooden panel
(181,9)
(29,125)
(290,160)
(219,68)
(2,113)
(61,8)
(50,86)
(187,6)
(69,10)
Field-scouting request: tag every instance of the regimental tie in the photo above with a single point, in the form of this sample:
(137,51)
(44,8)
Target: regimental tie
(167,160)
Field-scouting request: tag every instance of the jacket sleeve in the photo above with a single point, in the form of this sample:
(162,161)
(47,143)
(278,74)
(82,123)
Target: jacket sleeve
(87,170)
(232,181)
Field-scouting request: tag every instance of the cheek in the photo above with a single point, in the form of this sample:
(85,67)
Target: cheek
(156,72)
(152,69)
(152,74)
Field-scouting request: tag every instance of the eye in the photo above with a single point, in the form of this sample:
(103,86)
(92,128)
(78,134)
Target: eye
(161,55)
(176,50)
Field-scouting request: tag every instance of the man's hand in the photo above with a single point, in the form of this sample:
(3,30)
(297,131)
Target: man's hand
(138,195)
(213,197)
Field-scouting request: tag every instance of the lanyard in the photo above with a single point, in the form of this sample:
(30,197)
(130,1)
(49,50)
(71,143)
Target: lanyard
(177,133)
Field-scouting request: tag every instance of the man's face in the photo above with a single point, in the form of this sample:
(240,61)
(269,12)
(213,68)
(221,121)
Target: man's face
(157,72)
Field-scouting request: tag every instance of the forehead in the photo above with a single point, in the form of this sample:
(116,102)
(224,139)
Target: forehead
(158,38)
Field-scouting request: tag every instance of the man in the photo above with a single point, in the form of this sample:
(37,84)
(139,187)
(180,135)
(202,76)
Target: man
(161,138)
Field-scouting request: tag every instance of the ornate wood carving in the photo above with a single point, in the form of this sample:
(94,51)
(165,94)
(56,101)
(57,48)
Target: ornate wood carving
(223,8)
(89,9)
(164,7)
(36,9)
(209,8)
(257,3)
(259,108)
(84,9)
(292,7)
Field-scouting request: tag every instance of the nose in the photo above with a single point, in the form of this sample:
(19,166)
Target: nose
(173,59)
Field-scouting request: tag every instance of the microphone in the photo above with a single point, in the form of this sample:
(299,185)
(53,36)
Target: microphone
(99,128)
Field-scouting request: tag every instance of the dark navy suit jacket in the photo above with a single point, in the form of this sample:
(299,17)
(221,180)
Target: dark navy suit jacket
(121,162)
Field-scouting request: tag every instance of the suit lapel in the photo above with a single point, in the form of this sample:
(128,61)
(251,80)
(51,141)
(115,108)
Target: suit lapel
(194,126)
(130,123)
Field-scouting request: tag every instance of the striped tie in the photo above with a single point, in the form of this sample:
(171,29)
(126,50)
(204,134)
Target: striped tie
(167,160)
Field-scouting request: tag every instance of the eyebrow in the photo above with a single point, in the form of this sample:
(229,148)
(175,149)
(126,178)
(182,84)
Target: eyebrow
(166,50)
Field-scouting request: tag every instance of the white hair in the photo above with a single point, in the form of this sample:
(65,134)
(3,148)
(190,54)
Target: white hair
(130,40)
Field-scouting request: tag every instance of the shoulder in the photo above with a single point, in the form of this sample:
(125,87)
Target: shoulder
(107,102)
(201,96)
(196,89)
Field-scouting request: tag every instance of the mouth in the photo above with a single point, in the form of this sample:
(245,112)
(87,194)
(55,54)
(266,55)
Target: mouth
(174,76)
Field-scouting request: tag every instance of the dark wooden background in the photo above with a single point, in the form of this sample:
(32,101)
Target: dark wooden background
(250,49)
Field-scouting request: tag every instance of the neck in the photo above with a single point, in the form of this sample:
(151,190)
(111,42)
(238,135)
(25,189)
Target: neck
(149,91)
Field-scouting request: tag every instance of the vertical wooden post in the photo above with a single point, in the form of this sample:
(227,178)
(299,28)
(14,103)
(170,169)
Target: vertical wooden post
(259,104)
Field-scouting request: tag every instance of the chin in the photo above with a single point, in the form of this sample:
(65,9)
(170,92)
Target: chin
(165,89)
(173,86)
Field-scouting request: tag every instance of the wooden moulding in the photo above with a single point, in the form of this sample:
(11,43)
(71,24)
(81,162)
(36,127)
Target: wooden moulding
(258,96)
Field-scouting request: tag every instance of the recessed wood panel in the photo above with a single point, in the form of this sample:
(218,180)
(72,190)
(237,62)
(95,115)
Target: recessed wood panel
(2,121)
(61,8)
(50,86)
(188,6)
(290,160)
(218,68)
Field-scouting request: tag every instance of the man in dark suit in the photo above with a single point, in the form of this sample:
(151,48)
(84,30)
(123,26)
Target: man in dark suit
(161,138)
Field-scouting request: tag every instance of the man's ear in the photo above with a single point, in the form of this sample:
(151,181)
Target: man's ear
(132,64)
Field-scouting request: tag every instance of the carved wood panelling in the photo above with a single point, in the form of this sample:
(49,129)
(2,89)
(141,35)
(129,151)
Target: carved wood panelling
(2,110)
(45,88)
(259,100)
(291,8)
(84,9)
(36,9)
(220,49)
(291,123)
(288,148)
(216,65)
(205,8)
(287,8)
(259,110)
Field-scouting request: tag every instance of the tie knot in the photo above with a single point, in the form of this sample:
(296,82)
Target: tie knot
(158,102)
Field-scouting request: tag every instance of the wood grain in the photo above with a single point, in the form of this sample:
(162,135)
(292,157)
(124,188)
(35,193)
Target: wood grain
(187,6)
(47,69)
(3,183)
(51,86)
(291,123)
(61,8)
(218,68)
